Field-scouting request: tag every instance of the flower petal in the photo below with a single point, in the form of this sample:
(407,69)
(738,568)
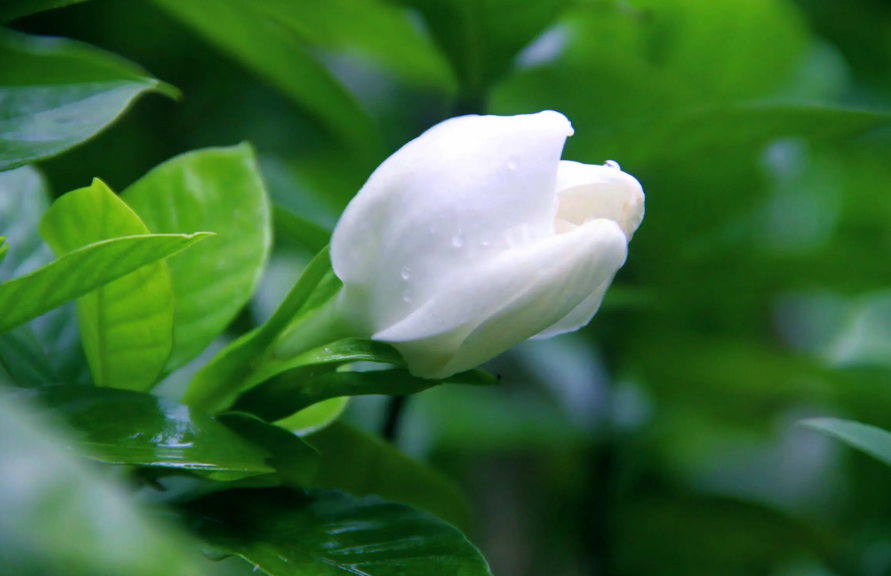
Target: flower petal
(589,191)
(458,195)
(476,315)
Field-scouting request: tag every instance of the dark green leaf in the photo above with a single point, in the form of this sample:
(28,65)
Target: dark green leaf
(874,441)
(286,533)
(277,54)
(58,516)
(363,464)
(56,93)
(300,388)
(126,325)
(82,271)
(219,190)
(124,427)
(24,360)
(305,233)
(12,9)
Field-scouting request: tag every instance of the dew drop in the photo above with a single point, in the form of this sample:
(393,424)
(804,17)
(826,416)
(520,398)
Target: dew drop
(512,163)
(486,240)
(405,273)
(406,295)
(458,240)
(612,164)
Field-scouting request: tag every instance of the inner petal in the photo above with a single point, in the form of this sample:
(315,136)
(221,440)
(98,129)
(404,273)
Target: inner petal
(588,192)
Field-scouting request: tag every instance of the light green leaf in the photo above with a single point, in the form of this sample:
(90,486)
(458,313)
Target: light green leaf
(57,93)
(124,427)
(217,189)
(126,325)
(364,464)
(277,54)
(58,516)
(82,271)
(874,441)
(287,533)
(316,417)
(372,29)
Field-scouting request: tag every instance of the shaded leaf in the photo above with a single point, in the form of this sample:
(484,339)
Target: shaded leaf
(12,9)
(363,464)
(82,271)
(874,441)
(24,360)
(219,190)
(126,325)
(56,93)
(303,232)
(124,427)
(287,533)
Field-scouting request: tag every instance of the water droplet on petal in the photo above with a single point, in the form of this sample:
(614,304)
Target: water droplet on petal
(458,240)
(406,295)
(486,240)
(512,163)
(405,273)
(612,164)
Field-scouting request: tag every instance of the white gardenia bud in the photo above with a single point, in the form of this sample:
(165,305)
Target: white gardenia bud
(475,236)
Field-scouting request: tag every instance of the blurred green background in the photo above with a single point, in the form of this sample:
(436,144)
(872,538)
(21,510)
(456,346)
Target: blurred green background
(663,438)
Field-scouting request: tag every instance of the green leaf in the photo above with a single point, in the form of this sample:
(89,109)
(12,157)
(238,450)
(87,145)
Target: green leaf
(124,427)
(301,231)
(126,325)
(24,360)
(874,441)
(277,54)
(296,462)
(57,93)
(82,271)
(299,388)
(217,189)
(4,248)
(13,9)
(363,464)
(287,533)
(316,417)
(216,386)
(58,516)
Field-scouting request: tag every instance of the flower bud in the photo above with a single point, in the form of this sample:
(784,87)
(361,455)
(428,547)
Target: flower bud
(475,236)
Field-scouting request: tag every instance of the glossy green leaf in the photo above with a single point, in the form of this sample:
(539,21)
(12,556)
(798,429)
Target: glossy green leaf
(874,441)
(296,462)
(124,427)
(278,55)
(364,464)
(287,533)
(297,389)
(58,516)
(56,93)
(316,417)
(216,386)
(219,190)
(82,271)
(126,325)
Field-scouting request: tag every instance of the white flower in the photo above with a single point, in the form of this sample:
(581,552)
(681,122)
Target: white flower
(475,236)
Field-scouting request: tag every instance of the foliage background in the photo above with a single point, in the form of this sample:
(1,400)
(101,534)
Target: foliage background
(663,438)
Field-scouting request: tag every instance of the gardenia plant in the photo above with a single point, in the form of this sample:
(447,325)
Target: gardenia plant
(472,238)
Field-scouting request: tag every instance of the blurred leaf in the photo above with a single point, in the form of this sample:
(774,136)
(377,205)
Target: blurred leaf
(287,533)
(58,516)
(219,190)
(4,248)
(216,386)
(874,441)
(363,464)
(124,427)
(24,360)
(303,232)
(126,325)
(296,462)
(316,417)
(57,93)
(276,53)
(53,337)
(481,37)
(372,29)
(297,389)
(13,9)
(82,271)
